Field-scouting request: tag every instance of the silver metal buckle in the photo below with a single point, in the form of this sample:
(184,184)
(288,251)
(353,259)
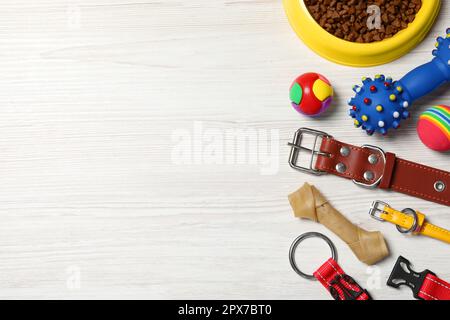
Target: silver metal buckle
(375,208)
(296,146)
(383,155)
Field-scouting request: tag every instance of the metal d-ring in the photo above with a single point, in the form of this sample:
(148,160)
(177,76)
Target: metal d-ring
(413,213)
(295,244)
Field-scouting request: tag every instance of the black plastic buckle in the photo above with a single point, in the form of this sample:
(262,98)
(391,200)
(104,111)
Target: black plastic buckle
(402,274)
(349,294)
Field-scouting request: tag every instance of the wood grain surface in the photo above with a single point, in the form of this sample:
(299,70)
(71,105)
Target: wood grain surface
(143,153)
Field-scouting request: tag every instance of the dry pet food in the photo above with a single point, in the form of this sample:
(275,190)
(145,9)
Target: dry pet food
(364,21)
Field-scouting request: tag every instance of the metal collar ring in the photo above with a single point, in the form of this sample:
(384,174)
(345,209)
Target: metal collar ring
(295,244)
(413,228)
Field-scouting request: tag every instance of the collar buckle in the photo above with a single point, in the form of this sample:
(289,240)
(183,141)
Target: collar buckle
(296,147)
(403,274)
(349,294)
(377,208)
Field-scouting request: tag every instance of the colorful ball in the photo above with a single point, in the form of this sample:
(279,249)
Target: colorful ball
(433,128)
(311,94)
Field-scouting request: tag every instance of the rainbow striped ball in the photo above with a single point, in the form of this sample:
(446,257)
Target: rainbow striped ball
(434,128)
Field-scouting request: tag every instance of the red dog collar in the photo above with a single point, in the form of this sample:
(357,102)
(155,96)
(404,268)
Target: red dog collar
(340,285)
(425,285)
(370,166)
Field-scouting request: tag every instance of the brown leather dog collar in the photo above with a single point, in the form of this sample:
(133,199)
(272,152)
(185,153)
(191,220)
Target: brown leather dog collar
(370,166)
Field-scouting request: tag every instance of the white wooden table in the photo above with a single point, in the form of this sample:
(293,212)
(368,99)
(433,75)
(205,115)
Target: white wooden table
(95,200)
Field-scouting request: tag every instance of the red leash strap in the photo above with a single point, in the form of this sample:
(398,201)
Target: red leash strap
(340,285)
(425,285)
(434,288)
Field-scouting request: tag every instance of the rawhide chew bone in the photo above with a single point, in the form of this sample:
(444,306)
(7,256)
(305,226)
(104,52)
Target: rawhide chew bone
(381,104)
(308,203)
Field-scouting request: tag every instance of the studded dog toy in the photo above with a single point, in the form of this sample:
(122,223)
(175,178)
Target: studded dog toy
(381,104)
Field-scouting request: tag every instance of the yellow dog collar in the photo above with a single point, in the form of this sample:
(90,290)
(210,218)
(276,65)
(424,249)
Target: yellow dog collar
(408,221)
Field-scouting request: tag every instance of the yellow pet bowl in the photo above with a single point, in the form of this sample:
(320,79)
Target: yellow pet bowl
(360,54)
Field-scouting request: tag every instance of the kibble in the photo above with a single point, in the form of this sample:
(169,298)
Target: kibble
(348,19)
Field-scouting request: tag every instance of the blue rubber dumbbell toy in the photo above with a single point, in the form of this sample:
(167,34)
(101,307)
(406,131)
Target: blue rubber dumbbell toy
(381,103)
